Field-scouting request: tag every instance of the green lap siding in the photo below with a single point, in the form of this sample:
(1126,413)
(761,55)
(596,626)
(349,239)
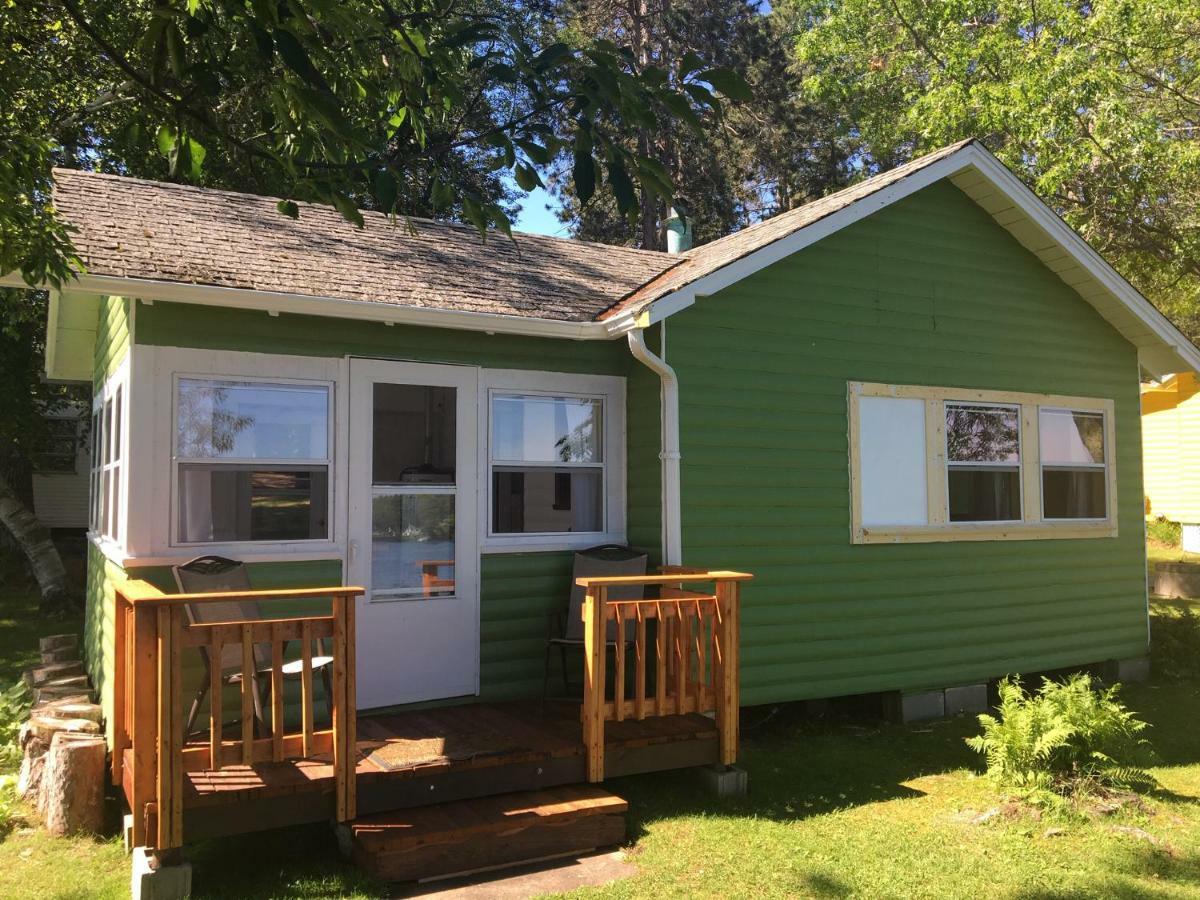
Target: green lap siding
(113,331)
(929,291)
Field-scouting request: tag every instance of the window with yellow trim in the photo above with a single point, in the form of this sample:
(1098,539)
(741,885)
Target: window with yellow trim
(945,464)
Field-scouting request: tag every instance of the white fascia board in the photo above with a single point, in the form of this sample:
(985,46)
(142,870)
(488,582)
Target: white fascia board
(1096,265)
(1174,345)
(333,307)
(803,237)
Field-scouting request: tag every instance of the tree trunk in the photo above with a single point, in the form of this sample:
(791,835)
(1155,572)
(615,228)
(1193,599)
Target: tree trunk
(34,540)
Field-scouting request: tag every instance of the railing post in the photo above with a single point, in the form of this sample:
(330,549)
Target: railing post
(122,662)
(594,633)
(170,727)
(344,700)
(728,699)
(143,738)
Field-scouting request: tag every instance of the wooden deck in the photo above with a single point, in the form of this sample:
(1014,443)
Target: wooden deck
(441,755)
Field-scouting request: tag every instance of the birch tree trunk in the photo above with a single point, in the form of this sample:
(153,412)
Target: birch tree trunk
(34,540)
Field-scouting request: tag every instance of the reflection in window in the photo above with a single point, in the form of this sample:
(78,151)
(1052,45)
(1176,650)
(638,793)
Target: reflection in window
(547,500)
(253,460)
(414,434)
(251,420)
(983,462)
(239,502)
(412,545)
(1074,471)
(547,464)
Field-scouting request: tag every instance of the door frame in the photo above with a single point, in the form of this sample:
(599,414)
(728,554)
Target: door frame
(465,379)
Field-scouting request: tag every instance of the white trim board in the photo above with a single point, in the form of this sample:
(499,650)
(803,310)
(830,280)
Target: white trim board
(1162,347)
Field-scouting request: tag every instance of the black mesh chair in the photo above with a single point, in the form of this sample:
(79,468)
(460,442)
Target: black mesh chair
(566,631)
(208,574)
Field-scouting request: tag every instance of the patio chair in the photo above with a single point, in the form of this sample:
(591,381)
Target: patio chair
(566,632)
(206,574)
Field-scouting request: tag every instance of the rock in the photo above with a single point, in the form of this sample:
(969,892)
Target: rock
(1053,832)
(54,672)
(44,728)
(50,657)
(52,642)
(62,687)
(71,797)
(70,709)
(986,816)
(29,779)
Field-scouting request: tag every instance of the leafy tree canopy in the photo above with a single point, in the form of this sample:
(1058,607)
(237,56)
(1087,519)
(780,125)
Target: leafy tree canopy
(1095,105)
(407,106)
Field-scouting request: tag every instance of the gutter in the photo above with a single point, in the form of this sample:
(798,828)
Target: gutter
(669,455)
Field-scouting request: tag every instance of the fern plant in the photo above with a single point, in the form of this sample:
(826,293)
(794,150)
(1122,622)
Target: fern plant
(1067,738)
(14,707)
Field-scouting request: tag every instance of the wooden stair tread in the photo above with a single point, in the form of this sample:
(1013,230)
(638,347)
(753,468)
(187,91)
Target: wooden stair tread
(455,821)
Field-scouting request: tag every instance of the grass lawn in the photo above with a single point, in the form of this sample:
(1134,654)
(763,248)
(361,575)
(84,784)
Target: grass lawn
(1157,552)
(836,810)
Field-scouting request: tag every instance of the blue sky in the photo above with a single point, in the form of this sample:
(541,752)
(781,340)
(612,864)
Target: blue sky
(536,218)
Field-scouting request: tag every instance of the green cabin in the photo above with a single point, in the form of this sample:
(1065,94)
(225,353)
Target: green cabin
(910,410)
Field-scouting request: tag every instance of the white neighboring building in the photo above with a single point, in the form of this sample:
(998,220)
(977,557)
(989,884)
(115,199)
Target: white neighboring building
(60,479)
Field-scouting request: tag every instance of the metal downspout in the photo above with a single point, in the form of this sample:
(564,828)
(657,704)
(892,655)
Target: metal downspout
(669,454)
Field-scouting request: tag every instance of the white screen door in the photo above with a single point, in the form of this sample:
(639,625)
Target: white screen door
(413,535)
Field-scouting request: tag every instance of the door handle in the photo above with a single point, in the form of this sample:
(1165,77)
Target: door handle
(352,555)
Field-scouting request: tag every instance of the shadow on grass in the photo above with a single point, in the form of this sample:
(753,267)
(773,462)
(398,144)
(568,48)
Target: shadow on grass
(1161,864)
(799,768)
(294,863)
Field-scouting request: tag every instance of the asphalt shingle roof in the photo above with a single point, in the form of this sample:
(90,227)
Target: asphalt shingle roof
(132,228)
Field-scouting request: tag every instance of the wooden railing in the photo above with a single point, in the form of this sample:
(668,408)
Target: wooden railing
(152,635)
(692,639)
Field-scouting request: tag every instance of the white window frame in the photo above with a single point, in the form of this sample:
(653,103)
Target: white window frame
(1104,466)
(610,390)
(1033,524)
(1019,465)
(328,461)
(108,509)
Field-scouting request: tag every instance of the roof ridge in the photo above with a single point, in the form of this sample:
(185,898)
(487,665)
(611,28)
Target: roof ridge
(441,223)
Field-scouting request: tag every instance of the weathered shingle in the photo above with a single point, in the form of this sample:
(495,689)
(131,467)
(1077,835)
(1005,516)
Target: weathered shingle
(130,228)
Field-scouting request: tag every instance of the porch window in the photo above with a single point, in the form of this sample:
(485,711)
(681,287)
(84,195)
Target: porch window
(252,460)
(107,463)
(1074,470)
(547,463)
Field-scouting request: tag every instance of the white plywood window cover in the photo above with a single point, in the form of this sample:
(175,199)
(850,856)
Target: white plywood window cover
(892,463)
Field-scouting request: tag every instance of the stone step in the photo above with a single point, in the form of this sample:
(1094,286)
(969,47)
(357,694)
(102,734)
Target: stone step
(70,708)
(53,672)
(66,655)
(54,642)
(487,832)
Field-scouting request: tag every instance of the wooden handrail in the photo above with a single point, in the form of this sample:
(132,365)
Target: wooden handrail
(695,647)
(689,577)
(151,636)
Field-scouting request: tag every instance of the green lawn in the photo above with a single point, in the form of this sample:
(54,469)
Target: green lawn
(836,810)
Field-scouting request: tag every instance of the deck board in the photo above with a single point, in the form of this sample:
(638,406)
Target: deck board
(543,734)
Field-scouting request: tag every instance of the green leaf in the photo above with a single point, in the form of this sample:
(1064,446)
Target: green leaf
(166,138)
(295,57)
(386,190)
(689,64)
(551,55)
(728,82)
(346,207)
(535,151)
(288,208)
(475,215)
(583,171)
(196,154)
(527,177)
(442,194)
(622,186)
(176,51)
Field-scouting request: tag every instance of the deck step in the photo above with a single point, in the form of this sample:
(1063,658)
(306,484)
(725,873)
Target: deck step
(487,833)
